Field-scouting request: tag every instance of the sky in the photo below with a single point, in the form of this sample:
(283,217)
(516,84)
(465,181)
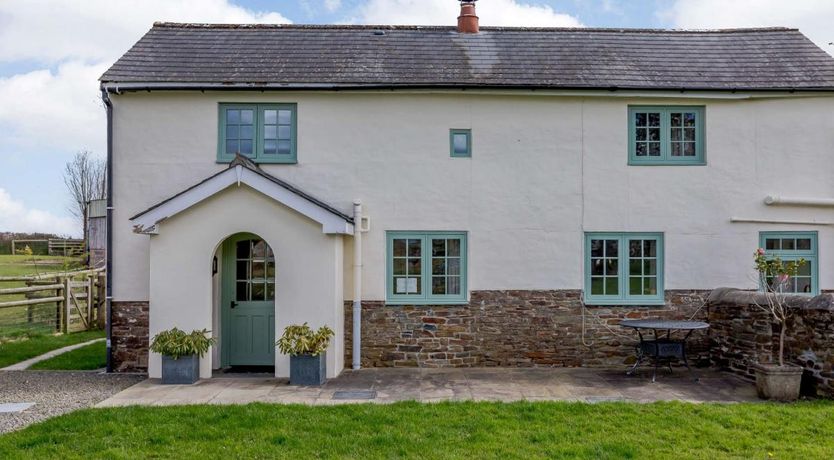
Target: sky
(53,51)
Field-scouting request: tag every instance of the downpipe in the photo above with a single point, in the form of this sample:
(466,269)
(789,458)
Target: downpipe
(357,285)
(108,295)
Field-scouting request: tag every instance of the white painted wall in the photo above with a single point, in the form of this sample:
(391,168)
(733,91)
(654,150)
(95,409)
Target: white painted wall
(545,169)
(308,288)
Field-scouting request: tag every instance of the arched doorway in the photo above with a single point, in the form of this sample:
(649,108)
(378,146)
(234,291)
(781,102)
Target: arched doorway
(247,304)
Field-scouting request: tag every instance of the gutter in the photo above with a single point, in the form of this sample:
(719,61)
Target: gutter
(108,325)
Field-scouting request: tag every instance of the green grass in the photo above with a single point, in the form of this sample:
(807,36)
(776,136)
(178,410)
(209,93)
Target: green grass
(93,356)
(443,430)
(28,347)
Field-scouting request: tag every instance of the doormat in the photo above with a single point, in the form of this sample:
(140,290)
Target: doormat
(8,408)
(358,394)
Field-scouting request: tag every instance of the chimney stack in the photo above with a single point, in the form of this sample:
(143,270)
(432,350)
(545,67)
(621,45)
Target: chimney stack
(467,21)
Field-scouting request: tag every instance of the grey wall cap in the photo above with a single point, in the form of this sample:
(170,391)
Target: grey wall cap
(733,296)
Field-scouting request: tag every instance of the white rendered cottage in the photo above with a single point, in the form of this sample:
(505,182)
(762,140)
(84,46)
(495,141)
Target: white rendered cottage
(512,181)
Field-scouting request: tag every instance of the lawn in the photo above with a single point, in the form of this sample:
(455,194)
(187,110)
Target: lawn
(28,347)
(442,430)
(93,356)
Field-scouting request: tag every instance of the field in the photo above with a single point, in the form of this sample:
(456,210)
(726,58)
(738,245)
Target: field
(14,321)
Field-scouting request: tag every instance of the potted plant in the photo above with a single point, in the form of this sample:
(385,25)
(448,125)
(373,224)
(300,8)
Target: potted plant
(181,353)
(780,381)
(307,350)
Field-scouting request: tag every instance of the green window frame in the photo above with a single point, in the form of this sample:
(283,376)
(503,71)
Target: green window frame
(266,133)
(624,268)
(793,246)
(426,268)
(459,148)
(666,135)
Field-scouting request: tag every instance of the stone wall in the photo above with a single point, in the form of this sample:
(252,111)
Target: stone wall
(744,334)
(512,328)
(130,336)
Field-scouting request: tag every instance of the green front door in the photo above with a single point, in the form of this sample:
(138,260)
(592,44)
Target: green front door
(248,302)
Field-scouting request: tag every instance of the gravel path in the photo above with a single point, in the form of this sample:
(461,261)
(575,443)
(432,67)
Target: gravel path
(56,393)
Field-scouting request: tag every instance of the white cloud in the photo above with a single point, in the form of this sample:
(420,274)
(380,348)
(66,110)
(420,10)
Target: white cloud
(53,110)
(332,5)
(814,18)
(15,217)
(445,12)
(97,30)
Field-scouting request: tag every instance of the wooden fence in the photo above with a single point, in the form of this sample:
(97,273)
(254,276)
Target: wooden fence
(54,247)
(77,297)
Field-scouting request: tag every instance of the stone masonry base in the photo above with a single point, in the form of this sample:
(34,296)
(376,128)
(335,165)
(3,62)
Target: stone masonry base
(513,328)
(130,336)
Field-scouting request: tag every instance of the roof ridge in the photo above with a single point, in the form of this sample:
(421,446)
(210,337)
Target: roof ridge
(195,25)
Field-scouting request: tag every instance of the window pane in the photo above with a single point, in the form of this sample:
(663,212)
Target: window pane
(258,248)
(635,285)
(247,116)
(232,116)
(642,149)
(243,249)
(284,147)
(788,244)
(676,150)
(258,270)
(438,266)
(284,132)
(270,117)
(689,119)
(641,134)
(270,147)
(596,248)
(640,119)
(232,147)
(270,270)
(246,147)
(650,286)
(453,247)
(654,119)
(414,248)
(232,131)
(635,248)
(399,266)
(654,149)
(399,247)
(689,149)
(803,244)
(258,291)
(242,291)
(611,248)
(270,291)
(242,272)
(597,286)
(459,142)
(414,266)
(611,267)
(438,247)
(270,132)
(612,286)
(247,131)
(772,243)
(675,119)
(597,267)
(650,267)
(649,248)
(438,285)
(284,117)
(453,266)
(453,285)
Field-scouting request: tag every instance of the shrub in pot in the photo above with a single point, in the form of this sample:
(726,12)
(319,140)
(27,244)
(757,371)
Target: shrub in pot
(307,350)
(181,353)
(777,381)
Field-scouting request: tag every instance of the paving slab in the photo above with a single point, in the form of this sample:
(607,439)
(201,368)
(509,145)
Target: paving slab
(432,385)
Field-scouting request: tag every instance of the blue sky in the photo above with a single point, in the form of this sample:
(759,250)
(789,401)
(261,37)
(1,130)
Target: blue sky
(52,52)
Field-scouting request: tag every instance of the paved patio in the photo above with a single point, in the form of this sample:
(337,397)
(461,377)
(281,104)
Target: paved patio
(431,385)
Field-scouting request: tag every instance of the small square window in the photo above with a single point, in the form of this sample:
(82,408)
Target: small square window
(460,142)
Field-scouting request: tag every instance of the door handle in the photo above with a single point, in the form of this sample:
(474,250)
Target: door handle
(232,304)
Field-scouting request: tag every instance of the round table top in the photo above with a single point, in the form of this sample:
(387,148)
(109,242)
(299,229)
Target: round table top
(663,324)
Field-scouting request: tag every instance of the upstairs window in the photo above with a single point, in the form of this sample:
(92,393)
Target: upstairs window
(790,246)
(671,135)
(460,141)
(265,133)
(426,267)
(624,268)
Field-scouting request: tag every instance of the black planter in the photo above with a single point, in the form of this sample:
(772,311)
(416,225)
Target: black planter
(182,371)
(308,369)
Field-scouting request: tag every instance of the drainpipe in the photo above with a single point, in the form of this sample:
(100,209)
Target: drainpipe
(357,283)
(108,296)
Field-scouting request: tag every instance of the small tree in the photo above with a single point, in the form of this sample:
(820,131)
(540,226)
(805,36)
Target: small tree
(85,177)
(774,275)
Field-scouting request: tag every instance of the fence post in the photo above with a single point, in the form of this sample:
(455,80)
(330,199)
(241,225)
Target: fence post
(67,304)
(90,281)
(100,301)
(13,251)
(59,315)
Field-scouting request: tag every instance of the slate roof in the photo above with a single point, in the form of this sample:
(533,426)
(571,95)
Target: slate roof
(293,56)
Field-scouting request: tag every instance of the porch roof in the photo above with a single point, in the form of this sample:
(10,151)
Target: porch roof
(243,171)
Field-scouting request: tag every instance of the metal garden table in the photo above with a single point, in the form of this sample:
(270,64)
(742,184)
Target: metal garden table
(659,348)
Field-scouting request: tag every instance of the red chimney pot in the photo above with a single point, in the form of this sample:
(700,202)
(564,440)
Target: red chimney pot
(467,21)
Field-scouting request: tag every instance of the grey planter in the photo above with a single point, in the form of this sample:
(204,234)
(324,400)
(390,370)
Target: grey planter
(308,369)
(778,383)
(182,371)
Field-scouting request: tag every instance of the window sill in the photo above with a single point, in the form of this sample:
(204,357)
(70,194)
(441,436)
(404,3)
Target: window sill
(401,303)
(260,161)
(623,303)
(666,163)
